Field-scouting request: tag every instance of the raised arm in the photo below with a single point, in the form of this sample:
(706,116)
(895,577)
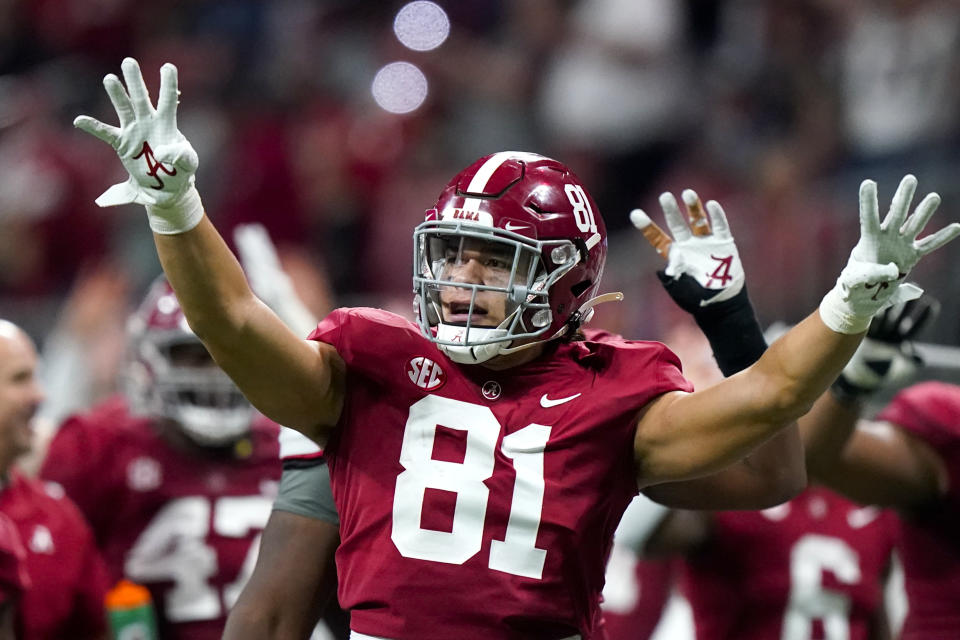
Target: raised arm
(293,381)
(682,436)
(874,462)
(705,277)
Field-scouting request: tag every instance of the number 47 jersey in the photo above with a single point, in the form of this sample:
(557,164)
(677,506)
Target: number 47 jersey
(184,522)
(474,503)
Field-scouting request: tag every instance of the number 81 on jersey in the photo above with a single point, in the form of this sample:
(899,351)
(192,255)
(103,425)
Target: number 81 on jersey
(517,553)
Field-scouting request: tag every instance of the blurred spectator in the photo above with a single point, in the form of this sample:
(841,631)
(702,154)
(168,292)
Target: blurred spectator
(780,105)
(49,225)
(621,88)
(898,84)
(67,578)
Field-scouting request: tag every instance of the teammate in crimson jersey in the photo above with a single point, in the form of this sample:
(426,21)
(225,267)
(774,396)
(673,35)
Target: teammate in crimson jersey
(176,477)
(812,567)
(929,413)
(907,458)
(67,578)
(481,458)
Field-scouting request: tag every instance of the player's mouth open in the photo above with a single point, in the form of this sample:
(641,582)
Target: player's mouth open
(459,313)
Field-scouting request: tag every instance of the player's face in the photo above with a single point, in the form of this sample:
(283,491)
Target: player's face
(20,393)
(475,261)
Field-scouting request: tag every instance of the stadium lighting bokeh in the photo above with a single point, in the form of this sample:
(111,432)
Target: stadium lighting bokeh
(421,25)
(399,87)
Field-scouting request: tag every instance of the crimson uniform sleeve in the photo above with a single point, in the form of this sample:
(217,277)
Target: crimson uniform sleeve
(73,461)
(928,410)
(329,329)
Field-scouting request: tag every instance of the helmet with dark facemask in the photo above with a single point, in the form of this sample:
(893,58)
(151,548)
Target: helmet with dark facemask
(169,374)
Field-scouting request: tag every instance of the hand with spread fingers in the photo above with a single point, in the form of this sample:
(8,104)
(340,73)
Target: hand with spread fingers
(161,162)
(703,265)
(705,277)
(883,257)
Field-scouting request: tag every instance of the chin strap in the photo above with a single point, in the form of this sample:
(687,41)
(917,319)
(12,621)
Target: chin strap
(585,312)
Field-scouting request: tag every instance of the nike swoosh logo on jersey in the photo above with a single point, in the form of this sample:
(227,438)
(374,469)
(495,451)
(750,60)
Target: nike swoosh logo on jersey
(546,402)
(513,227)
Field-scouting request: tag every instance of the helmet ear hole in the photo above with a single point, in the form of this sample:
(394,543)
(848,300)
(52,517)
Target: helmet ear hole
(580,287)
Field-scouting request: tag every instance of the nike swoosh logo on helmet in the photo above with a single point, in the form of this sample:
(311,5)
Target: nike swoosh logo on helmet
(513,227)
(546,402)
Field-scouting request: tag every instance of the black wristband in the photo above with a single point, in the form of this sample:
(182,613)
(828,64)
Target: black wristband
(730,326)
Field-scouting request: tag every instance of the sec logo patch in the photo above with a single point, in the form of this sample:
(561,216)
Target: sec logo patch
(425,373)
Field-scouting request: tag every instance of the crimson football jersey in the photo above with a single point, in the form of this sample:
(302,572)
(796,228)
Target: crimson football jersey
(635,609)
(930,544)
(14,579)
(812,567)
(67,578)
(180,520)
(475,503)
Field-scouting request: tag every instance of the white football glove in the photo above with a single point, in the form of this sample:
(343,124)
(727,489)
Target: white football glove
(883,257)
(160,160)
(704,251)
(268,279)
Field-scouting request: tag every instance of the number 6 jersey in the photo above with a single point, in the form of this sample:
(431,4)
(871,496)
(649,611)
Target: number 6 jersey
(475,503)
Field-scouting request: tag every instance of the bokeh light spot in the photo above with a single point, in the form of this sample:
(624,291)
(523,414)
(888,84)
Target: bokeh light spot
(399,87)
(421,25)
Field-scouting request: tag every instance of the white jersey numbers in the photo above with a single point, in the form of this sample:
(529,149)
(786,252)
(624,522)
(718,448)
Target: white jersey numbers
(809,600)
(175,547)
(423,472)
(517,553)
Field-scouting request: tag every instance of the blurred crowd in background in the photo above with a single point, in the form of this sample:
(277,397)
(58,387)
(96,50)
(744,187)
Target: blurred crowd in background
(776,109)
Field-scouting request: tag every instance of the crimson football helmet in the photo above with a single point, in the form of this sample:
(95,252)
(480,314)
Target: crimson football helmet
(545,231)
(170,374)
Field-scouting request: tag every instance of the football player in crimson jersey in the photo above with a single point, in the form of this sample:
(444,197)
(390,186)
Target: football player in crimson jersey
(813,567)
(906,458)
(176,475)
(67,578)
(480,459)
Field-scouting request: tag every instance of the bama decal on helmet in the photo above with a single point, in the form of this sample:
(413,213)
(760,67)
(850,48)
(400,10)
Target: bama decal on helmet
(477,217)
(425,373)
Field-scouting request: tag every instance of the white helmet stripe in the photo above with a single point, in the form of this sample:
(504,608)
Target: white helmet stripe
(479,182)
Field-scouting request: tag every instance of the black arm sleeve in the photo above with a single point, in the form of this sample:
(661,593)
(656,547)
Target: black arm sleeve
(730,326)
